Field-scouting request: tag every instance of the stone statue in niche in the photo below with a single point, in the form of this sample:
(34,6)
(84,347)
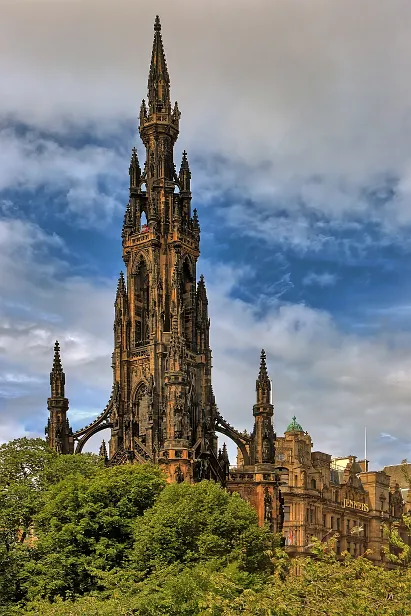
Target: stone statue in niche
(304,479)
(266,450)
(268,506)
(396,502)
(177,422)
(178,474)
(59,441)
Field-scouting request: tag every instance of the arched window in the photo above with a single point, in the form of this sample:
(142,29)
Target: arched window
(284,476)
(141,304)
(141,414)
(187,293)
(143,222)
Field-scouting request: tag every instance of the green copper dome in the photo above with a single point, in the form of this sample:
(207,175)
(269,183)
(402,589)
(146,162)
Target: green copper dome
(294,426)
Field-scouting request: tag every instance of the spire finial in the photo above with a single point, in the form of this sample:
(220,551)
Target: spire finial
(263,375)
(103,450)
(121,285)
(185,174)
(57,377)
(158,79)
(134,170)
(57,367)
(263,384)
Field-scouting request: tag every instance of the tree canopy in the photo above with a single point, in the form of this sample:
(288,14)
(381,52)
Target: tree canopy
(79,539)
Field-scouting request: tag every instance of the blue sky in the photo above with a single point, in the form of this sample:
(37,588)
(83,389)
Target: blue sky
(297,123)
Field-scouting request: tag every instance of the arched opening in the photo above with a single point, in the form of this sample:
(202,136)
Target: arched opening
(283,474)
(141,304)
(93,444)
(142,419)
(143,222)
(188,297)
(244,454)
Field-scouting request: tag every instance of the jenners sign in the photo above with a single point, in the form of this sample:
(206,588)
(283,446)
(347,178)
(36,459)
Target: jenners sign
(355,505)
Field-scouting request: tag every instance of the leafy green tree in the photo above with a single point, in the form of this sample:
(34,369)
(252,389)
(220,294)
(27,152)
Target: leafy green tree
(27,470)
(86,525)
(320,585)
(191,523)
(22,463)
(325,585)
(60,467)
(398,551)
(176,590)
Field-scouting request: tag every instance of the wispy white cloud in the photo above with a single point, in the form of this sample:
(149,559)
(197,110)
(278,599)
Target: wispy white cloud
(295,128)
(71,174)
(333,381)
(320,279)
(314,118)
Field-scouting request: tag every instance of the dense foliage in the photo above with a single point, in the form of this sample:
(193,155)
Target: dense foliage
(78,539)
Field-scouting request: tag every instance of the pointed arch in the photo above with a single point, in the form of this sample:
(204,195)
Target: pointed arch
(234,437)
(188,298)
(141,301)
(141,413)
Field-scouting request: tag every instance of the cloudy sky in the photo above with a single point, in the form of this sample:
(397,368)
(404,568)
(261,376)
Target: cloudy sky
(297,120)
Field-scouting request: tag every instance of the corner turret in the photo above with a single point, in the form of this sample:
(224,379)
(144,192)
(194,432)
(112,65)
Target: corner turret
(58,432)
(262,450)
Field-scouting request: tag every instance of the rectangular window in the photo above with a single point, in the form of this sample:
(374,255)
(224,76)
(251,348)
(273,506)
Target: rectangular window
(348,526)
(332,521)
(286,510)
(312,516)
(324,520)
(338,524)
(365,531)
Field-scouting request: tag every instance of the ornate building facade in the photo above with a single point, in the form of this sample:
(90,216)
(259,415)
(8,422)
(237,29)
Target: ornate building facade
(162,407)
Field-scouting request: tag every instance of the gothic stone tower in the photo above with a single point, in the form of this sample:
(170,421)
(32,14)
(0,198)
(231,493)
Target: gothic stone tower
(165,409)
(256,475)
(59,434)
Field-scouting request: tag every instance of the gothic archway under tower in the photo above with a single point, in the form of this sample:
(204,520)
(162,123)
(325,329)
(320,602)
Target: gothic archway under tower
(241,440)
(142,418)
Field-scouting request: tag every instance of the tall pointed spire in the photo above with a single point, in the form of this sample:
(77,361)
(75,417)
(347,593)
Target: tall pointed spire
(263,380)
(263,383)
(57,376)
(262,447)
(121,286)
(103,451)
(158,78)
(159,121)
(58,431)
(134,170)
(185,174)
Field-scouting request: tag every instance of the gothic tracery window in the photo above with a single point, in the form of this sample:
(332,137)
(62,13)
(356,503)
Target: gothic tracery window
(187,294)
(141,304)
(143,222)
(141,413)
